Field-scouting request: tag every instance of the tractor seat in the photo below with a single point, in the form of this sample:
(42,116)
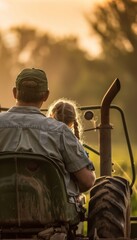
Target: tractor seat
(33,192)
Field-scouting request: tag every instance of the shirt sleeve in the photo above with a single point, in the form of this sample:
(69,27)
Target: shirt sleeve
(74,154)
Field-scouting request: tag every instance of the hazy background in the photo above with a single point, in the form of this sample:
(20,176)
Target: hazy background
(83,45)
(60,18)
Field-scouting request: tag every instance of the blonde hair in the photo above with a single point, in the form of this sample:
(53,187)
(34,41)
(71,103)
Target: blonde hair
(66,110)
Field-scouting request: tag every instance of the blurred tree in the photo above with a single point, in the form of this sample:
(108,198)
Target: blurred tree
(115,23)
(68,69)
(70,72)
(5,68)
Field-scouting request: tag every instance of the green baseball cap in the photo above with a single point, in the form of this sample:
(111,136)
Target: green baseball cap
(32,74)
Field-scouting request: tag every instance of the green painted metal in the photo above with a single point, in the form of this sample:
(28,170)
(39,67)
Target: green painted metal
(33,192)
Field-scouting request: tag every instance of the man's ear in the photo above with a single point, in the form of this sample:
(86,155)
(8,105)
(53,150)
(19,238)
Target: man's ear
(46,95)
(15,92)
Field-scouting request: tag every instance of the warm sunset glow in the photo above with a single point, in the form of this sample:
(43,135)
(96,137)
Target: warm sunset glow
(60,18)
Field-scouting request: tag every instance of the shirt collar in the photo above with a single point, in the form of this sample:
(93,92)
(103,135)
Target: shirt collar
(25,109)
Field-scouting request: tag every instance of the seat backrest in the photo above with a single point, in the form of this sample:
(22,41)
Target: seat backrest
(32,191)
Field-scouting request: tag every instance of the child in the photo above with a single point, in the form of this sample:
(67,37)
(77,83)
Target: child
(66,111)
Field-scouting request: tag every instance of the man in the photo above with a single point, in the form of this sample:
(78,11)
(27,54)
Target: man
(24,128)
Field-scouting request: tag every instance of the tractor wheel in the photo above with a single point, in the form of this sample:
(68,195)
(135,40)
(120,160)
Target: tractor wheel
(109,208)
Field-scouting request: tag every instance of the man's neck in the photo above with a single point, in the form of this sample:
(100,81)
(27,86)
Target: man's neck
(25,104)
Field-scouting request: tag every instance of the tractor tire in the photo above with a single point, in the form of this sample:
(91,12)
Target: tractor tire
(109,208)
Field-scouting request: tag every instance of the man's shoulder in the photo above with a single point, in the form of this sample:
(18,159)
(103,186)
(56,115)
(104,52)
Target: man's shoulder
(2,114)
(54,124)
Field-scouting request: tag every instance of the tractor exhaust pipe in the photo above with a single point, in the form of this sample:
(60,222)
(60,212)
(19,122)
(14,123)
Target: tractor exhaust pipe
(105,129)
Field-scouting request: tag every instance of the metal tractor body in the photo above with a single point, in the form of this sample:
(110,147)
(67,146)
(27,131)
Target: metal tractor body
(34,203)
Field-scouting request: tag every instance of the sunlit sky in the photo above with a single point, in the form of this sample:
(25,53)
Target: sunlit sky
(58,17)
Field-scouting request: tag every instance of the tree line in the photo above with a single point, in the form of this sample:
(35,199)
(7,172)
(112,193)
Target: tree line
(71,72)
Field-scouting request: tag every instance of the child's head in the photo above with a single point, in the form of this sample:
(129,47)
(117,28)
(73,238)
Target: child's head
(66,111)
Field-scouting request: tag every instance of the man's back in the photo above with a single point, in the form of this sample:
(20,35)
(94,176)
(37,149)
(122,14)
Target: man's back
(26,129)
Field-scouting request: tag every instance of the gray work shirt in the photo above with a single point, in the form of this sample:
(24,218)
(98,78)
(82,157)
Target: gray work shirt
(26,129)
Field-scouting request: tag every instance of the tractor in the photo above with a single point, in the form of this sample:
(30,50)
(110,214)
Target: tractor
(34,203)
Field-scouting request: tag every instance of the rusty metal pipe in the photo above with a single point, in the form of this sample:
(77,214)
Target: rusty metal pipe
(107,99)
(105,129)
